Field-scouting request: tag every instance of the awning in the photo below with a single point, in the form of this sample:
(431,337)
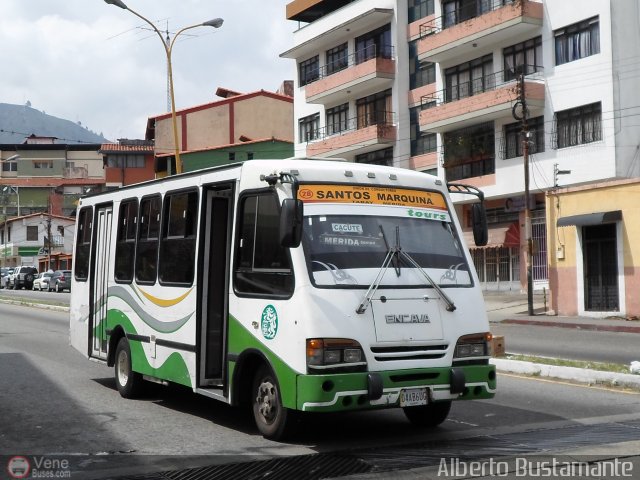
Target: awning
(591,218)
(496,237)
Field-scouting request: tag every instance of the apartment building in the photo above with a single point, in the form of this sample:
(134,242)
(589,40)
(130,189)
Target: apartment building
(451,86)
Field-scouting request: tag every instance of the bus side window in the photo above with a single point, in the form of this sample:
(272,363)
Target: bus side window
(83,244)
(126,243)
(262,266)
(147,245)
(178,244)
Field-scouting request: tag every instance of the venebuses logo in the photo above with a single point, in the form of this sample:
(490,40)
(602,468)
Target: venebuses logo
(18,467)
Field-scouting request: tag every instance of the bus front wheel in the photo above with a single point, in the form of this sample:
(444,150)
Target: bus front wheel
(272,419)
(430,415)
(129,383)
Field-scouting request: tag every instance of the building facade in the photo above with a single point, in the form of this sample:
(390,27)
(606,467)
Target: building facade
(459,87)
(594,244)
(127,162)
(224,128)
(41,240)
(47,177)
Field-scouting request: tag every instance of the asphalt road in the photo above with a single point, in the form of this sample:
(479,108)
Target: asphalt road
(53,401)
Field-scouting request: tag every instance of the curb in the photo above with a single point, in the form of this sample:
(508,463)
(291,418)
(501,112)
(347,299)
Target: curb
(580,375)
(44,306)
(579,326)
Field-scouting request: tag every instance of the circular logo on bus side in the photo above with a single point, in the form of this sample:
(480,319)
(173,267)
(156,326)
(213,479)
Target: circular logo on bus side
(269,322)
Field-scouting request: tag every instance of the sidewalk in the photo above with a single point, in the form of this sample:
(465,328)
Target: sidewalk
(507,307)
(512,308)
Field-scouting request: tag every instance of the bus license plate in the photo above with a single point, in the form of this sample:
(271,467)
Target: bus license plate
(412,397)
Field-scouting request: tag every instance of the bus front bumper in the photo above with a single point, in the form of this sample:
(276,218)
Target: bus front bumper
(359,391)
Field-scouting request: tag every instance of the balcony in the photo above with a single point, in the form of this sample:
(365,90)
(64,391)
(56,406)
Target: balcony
(483,99)
(477,27)
(75,172)
(364,72)
(354,136)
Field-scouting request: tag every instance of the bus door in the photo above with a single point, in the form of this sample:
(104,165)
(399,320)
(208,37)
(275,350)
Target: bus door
(214,295)
(98,317)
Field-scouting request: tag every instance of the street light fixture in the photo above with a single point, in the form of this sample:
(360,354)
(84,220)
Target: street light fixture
(168,47)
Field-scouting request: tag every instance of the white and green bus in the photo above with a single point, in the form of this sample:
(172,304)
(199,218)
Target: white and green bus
(288,286)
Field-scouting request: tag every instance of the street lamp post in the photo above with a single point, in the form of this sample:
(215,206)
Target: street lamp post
(168,47)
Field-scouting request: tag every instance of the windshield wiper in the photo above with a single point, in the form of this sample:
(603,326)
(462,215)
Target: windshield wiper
(450,306)
(396,253)
(394,258)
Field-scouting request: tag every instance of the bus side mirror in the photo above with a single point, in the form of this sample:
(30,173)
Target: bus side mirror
(291,222)
(479,222)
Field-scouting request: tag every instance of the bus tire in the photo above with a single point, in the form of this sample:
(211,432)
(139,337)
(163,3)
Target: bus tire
(274,421)
(128,382)
(430,415)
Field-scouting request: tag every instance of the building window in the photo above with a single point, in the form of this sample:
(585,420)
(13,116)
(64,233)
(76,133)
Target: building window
(374,110)
(420,72)
(419,9)
(458,11)
(469,78)
(431,171)
(43,164)
(232,156)
(577,41)
(124,161)
(32,233)
(379,157)
(249,155)
(10,166)
(524,58)
(309,128)
(513,137)
(469,152)
(421,143)
(578,125)
(337,59)
(147,246)
(262,265)
(178,245)
(126,241)
(337,119)
(376,43)
(309,70)
(83,243)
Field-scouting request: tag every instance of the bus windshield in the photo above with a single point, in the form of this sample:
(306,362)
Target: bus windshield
(345,249)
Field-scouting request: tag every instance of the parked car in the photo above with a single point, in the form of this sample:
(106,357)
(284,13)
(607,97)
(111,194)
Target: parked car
(23,277)
(5,273)
(42,281)
(60,280)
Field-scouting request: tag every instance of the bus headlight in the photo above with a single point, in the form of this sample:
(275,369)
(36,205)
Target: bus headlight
(475,345)
(338,353)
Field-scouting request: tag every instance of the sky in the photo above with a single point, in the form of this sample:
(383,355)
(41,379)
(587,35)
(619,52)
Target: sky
(94,63)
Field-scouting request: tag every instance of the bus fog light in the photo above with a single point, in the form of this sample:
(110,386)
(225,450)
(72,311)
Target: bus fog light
(352,355)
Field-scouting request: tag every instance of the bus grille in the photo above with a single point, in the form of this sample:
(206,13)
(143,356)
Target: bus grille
(413,352)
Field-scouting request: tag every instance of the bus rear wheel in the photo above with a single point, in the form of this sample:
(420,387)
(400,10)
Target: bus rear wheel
(272,419)
(129,383)
(430,415)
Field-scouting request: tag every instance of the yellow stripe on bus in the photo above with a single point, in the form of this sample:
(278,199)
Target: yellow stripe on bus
(162,302)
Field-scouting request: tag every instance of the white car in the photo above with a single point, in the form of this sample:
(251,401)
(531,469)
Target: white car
(42,281)
(4,279)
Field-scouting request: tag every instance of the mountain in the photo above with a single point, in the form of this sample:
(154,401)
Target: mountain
(20,121)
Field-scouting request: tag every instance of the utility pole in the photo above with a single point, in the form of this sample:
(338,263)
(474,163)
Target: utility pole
(522,103)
